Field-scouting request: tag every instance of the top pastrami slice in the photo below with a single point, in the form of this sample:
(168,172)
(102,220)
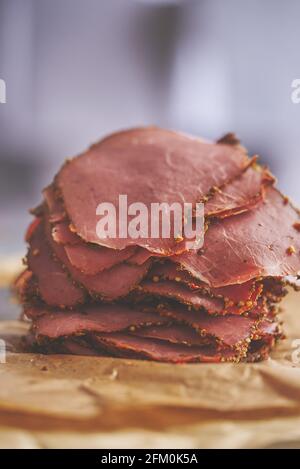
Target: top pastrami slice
(157,163)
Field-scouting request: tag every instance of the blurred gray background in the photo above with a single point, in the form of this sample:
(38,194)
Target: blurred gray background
(77,69)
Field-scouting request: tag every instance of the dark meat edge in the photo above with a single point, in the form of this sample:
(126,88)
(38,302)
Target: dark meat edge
(95,345)
(172,316)
(196,298)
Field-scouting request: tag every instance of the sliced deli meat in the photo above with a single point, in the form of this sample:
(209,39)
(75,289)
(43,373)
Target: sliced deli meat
(174,333)
(260,243)
(140,256)
(56,287)
(55,205)
(199,299)
(157,297)
(91,260)
(126,345)
(236,298)
(230,330)
(149,166)
(242,194)
(62,234)
(114,283)
(178,333)
(25,286)
(94,318)
(109,284)
(174,290)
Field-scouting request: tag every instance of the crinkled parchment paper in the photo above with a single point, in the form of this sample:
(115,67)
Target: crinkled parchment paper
(63,401)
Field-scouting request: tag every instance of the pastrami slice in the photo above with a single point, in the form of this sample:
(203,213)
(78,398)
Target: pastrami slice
(240,195)
(126,345)
(54,284)
(260,243)
(168,159)
(99,318)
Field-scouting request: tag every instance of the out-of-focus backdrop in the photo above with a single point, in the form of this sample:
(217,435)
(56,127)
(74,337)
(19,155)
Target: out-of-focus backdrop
(78,69)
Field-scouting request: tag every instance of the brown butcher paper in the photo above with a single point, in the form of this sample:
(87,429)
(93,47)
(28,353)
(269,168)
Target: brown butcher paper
(64,401)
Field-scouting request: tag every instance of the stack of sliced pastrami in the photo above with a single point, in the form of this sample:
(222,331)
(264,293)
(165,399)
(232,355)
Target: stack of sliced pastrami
(154,298)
